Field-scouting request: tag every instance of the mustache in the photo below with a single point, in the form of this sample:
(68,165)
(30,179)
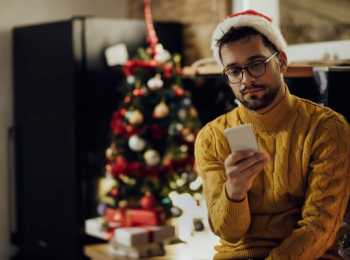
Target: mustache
(244,88)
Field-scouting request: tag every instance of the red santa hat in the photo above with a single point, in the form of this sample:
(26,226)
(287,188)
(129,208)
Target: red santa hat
(249,18)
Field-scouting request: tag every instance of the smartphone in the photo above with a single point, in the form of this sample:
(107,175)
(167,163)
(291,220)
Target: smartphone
(241,137)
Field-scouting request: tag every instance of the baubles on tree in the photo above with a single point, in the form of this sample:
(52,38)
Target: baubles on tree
(135,117)
(155,83)
(110,153)
(162,55)
(161,110)
(152,157)
(136,143)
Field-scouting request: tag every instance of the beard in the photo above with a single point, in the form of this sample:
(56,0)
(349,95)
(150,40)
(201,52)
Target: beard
(258,101)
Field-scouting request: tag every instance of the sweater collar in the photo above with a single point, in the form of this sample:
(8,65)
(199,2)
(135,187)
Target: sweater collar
(273,119)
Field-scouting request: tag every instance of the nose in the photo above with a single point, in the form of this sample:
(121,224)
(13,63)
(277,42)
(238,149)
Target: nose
(246,77)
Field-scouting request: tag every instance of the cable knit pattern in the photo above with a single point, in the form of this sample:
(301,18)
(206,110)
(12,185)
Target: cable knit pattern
(296,205)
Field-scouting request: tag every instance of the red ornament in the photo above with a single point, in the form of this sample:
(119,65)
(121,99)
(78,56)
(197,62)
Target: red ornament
(168,70)
(138,92)
(134,168)
(119,166)
(127,99)
(118,127)
(179,91)
(122,111)
(117,122)
(167,162)
(148,201)
(114,192)
(130,130)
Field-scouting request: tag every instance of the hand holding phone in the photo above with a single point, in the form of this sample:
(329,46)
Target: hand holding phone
(244,163)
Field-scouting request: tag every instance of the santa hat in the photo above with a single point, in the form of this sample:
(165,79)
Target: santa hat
(249,18)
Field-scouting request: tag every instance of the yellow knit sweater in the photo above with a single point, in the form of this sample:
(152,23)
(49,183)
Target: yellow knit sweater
(296,205)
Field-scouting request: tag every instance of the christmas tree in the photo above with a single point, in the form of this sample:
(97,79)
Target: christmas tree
(152,137)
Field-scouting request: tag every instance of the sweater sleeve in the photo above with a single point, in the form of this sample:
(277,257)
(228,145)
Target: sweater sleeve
(327,194)
(229,220)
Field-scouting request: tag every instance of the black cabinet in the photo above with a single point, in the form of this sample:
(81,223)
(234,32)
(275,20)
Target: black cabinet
(64,95)
(324,85)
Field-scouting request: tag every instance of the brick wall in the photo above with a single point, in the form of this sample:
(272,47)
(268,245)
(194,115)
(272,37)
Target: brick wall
(198,17)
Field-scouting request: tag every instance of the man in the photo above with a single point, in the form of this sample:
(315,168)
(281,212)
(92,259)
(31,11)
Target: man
(287,200)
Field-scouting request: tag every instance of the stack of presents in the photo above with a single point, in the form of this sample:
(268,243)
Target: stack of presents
(132,233)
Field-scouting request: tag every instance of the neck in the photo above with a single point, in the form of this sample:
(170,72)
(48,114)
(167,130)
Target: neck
(272,117)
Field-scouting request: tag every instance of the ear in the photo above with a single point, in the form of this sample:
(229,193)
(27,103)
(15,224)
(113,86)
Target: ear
(283,60)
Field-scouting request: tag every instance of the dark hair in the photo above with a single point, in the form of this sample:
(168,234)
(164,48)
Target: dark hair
(235,34)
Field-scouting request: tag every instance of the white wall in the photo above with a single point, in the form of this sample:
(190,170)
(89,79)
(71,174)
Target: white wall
(21,12)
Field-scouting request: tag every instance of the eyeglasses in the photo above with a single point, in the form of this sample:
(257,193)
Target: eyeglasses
(255,69)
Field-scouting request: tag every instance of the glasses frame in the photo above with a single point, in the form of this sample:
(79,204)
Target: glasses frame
(245,68)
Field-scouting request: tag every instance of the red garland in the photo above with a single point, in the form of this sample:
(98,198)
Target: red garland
(130,65)
(151,33)
(117,124)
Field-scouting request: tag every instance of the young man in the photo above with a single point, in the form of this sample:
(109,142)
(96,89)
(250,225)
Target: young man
(287,200)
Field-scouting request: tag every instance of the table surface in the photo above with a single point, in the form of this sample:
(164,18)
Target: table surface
(199,247)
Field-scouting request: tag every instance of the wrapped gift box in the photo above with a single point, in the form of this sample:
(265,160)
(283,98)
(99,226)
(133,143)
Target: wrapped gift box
(94,227)
(136,236)
(142,217)
(134,217)
(153,249)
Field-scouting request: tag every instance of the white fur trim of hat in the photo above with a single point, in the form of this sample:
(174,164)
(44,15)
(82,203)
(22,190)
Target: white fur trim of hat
(248,18)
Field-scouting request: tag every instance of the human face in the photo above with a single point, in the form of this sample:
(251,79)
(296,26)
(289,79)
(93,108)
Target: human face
(255,93)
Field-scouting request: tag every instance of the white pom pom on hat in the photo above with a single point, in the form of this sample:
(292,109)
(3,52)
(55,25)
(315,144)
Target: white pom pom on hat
(248,18)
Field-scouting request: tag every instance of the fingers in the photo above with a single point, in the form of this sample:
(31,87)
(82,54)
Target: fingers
(244,164)
(250,167)
(235,157)
(254,170)
(238,185)
(248,163)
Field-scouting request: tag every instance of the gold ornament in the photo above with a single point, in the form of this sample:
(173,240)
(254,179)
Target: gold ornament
(161,110)
(151,157)
(188,135)
(185,131)
(135,117)
(105,185)
(190,138)
(182,114)
(110,153)
(184,148)
(193,112)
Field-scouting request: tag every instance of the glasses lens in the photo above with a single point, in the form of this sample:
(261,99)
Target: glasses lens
(257,68)
(234,75)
